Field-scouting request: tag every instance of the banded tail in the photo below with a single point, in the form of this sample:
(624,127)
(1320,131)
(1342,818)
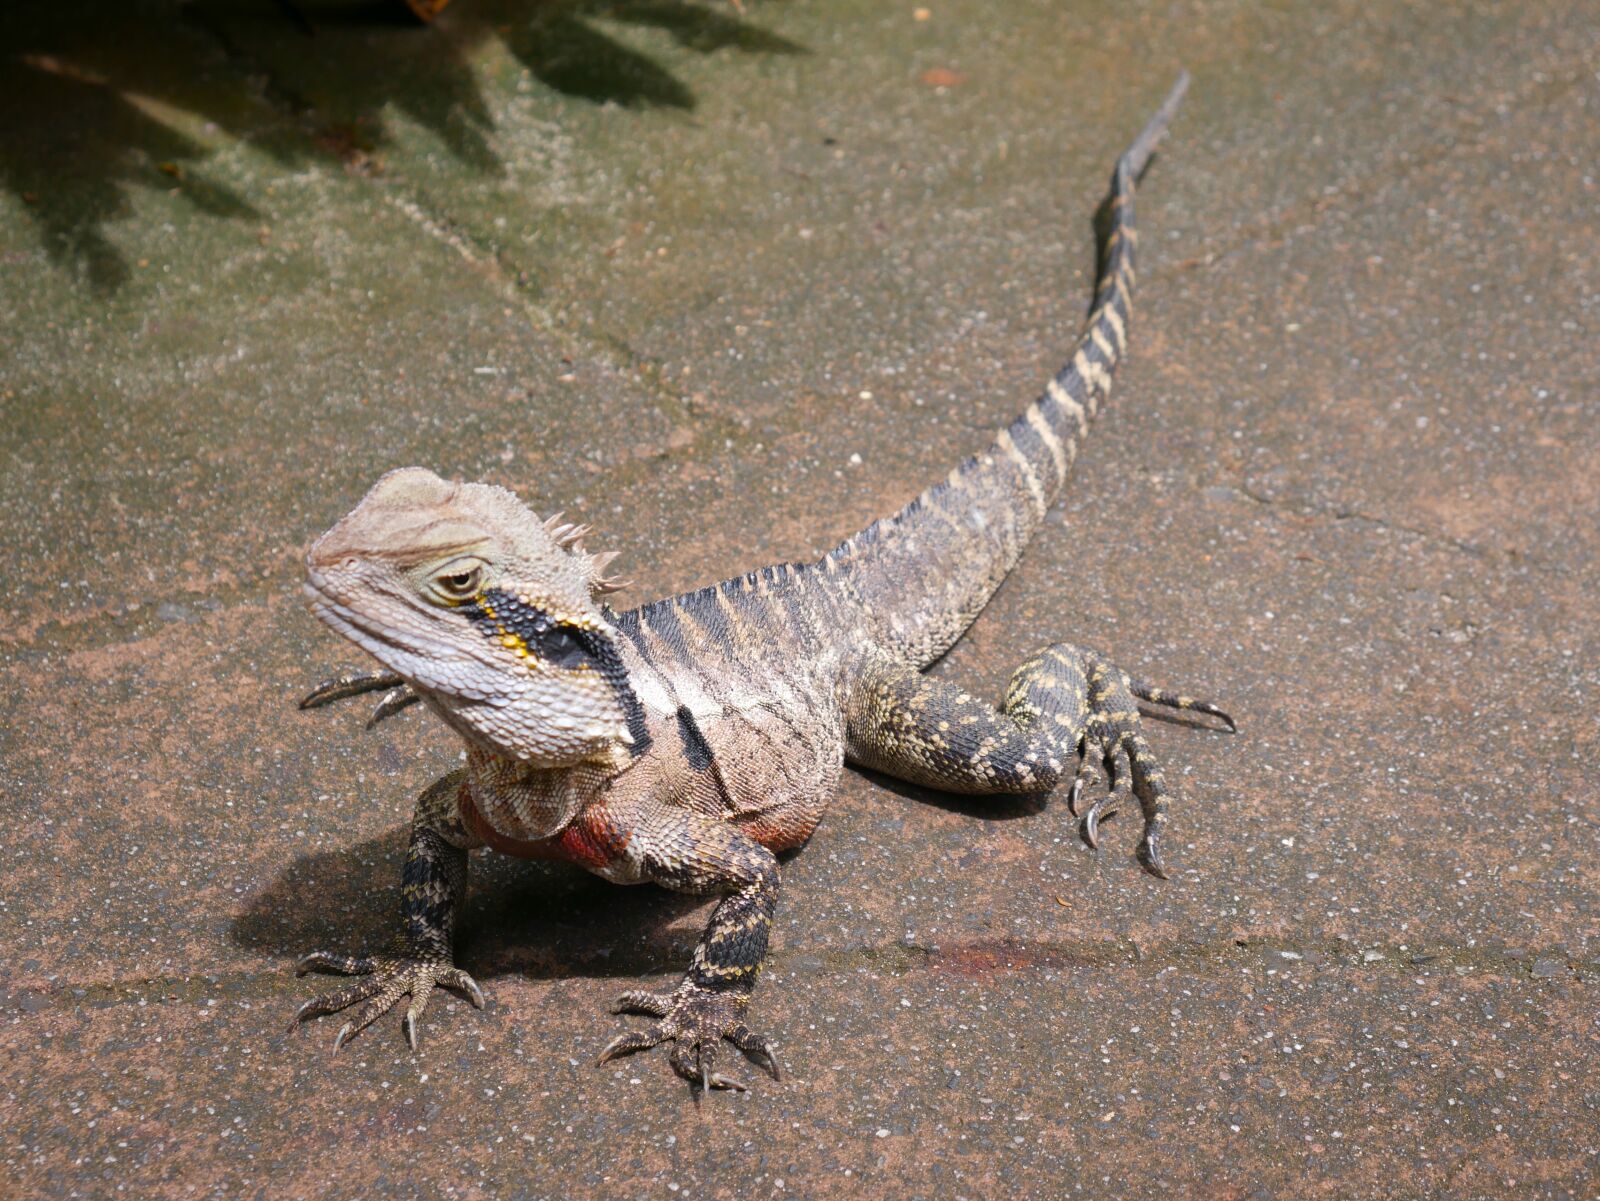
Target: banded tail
(925,573)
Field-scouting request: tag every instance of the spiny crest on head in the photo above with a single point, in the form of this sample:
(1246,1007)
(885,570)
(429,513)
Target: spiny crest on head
(569,537)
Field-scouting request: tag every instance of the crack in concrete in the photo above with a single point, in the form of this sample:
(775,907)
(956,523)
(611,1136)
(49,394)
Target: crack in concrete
(1342,513)
(1360,189)
(977,959)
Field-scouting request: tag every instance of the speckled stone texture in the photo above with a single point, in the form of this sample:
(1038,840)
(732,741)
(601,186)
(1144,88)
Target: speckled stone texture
(728,285)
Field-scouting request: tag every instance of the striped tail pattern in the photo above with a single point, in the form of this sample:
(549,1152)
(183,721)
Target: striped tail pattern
(925,573)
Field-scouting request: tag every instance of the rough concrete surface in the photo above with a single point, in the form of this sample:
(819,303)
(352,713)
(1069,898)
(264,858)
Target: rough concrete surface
(728,283)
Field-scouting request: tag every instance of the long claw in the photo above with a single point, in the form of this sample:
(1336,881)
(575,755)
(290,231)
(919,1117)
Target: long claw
(346,1032)
(393,702)
(1150,853)
(718,1080)
(419,1002)
(1092,819)
(627,1044)
(341,687)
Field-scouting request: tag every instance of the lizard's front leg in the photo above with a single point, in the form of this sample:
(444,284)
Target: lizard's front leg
(397,694)
(420,957)
(692,853)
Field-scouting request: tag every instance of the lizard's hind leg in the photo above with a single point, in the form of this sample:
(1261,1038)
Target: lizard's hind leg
(1063,702)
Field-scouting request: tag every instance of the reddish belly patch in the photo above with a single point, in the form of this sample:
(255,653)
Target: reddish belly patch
(591,840)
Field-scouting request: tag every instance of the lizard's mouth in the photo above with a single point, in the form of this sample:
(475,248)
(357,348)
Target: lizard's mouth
(391,644)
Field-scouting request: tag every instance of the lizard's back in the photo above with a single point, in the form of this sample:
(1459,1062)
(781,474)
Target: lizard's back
(771,654)
(740,684)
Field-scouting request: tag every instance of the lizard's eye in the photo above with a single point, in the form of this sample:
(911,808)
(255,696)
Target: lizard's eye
(459,583)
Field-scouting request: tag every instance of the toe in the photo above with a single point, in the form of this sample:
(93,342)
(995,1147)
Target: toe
(327,961)
(685,1062)
(335,1001)
(392,991)
(757,1048)
(641,1001)
(627,1044)
(454,977)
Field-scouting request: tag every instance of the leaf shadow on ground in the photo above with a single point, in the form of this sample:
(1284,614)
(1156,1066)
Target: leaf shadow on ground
(103,97)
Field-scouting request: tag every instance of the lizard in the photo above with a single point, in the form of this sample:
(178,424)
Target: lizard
(690,741)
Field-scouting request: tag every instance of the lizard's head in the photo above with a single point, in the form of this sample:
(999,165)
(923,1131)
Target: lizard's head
(488,612)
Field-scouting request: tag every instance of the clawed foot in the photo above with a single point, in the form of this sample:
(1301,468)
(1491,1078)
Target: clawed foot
(1113,735)
(397,694)
(389,977)
(696,1020)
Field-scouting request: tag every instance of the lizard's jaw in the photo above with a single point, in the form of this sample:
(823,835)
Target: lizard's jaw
(402,650)
(516,713)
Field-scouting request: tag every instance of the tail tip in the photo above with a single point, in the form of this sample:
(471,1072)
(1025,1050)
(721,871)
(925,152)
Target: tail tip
(1144,145)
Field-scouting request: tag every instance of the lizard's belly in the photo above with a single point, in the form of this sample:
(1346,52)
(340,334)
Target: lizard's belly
(768,772)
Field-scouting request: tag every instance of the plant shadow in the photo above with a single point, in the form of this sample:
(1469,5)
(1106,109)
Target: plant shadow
(104,97)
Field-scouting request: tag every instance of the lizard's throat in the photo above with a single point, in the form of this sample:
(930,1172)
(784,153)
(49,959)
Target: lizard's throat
(530,736)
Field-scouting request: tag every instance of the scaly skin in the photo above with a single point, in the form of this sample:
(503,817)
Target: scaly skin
(687,741)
